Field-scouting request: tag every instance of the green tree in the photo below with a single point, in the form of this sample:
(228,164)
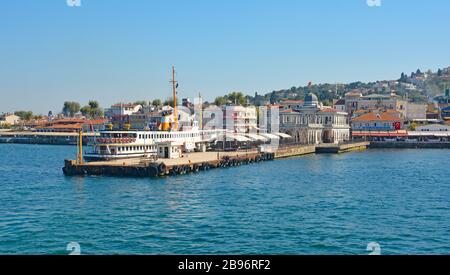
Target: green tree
(236,98)
(141,102)
(71,108)
(24,115)
(156,102)
(220,100)
(92,110)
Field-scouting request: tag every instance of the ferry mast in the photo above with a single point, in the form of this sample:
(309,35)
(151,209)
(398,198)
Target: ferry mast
(174,92)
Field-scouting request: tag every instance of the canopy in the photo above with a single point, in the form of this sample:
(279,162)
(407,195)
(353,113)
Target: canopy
(256,137)
(271,136)
(283,135)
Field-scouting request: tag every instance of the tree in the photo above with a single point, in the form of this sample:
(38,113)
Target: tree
(92,110)
(85,111)
(236,98)
(156,102)
(71,108)
(220,100)
(141,102)
(24,115)
(169,102)
(439,72)
(273,98)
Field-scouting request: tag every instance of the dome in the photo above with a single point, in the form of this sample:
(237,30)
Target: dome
(311,100)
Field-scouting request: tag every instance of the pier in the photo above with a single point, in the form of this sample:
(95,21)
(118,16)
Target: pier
(195,162)
(341,148)
(190,163)
(409,145)
(47,138)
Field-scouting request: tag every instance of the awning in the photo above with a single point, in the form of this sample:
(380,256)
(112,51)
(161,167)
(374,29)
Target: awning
(256,137)
(231,137)
(271,136)
(283,135)
(428,134)
(380,134)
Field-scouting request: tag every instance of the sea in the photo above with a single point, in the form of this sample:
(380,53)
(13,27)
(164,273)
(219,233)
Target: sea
(397,201)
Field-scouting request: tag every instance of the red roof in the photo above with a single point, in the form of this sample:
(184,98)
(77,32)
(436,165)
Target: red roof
(376,117)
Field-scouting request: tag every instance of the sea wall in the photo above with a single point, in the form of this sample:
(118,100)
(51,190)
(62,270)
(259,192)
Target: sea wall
(410,145)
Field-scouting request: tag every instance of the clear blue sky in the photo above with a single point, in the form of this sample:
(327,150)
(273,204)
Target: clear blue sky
(117,50)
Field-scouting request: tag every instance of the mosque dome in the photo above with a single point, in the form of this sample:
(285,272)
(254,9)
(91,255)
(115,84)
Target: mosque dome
(311,100)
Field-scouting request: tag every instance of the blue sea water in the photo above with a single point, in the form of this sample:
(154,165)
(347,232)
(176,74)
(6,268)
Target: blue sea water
(317,204)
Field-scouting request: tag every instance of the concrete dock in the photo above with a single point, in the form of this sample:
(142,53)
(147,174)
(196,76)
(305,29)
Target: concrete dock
(190,163)
(341,148)
(195,162)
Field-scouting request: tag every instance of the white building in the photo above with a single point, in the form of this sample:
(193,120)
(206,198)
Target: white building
(433,128)
(122,109)
(9,119)
(314,124)
(240,119)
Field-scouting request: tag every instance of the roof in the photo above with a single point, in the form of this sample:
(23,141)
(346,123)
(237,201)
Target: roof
(329,110)
(286,101)
(288,111)
(376,117)
(129,105)
(340,102)
(62,126)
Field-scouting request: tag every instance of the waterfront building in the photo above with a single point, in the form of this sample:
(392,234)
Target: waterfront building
(71,125)
(240,119)
(445,113)
(377,121)
(9,119)
(433,128)
(314,124)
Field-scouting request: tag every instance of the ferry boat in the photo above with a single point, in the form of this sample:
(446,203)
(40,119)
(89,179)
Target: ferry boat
(113,145)
(123,144)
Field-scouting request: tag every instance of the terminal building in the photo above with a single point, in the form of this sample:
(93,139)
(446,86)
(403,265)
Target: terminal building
(312,123)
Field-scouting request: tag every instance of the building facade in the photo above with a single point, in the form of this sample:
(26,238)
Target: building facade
(314,124)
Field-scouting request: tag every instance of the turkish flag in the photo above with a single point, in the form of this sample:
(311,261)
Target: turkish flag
(397,125)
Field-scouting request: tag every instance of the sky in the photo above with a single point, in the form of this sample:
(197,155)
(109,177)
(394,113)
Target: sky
(122,51)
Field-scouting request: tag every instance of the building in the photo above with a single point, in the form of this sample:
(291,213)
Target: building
(9,119)
(69,125)
(288,104)
(377,121)
(340,105)
(122,109)
(445,113)
(415,111)
(314,124)
(239,119)
(433,128)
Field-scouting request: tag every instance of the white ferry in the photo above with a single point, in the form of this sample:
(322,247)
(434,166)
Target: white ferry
(112,145)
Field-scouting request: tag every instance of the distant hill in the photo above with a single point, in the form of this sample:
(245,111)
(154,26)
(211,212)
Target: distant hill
(418,86)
